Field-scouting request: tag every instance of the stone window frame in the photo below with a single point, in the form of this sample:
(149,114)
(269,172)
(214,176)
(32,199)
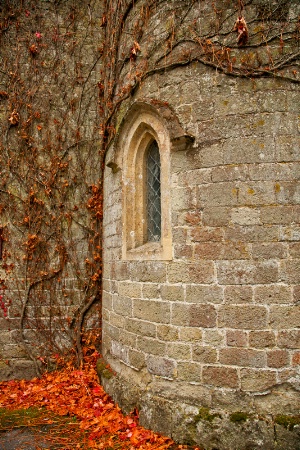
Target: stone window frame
(144,122)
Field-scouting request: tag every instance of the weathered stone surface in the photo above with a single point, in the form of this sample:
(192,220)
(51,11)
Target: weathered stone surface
(220,376)
(254,380)
(243,317)
(204,294)
(161,366)
(209,338)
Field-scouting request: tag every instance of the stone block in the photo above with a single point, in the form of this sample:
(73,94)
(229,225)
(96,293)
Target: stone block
(244,272)
(238,294)
(217,194)
(13,351)
(121,270)
(107,300)
(257,193)
(253,380)
(150,290)
(294,249)
(291,233)
(5,338)
(296,359)
(261,339)
(284,317)
(194,177)
(183,252)
(151,346)
(279,215)
(116,320)
(191,218)
(122,305)
(140,327)
(215,251)
(18,369)
(179,351)
(162,367)
(130,289)
(182,199)
(167,333)
(291,271)
(180,314)
(288,192)
(204,294)
(119,351)
(245,216)
(209,154)
(273,171)
(192,334)
(236,338)
(216,216)
(278,358)
(200,272)
(273,294)
(179,234)
(224,377)
(204,354)
(252,233)
(111,331)
(151,310)
(257,150)
(147,271)
(172,292)
(275,250)
(242,357)
(213,338)
(188,371)
(288,339)
(128,339)
(242,317)
(229,173)
(204,316)
(207,234)
(136,359)
(296,294)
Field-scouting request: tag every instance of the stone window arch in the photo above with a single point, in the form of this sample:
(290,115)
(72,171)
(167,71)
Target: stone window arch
(146,127)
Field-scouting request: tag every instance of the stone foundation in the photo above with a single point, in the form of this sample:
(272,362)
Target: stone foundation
(213,419)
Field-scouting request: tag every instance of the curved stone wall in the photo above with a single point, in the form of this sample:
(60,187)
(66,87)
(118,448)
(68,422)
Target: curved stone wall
(207,344)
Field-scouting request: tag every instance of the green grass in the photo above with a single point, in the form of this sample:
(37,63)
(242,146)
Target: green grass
(18,418)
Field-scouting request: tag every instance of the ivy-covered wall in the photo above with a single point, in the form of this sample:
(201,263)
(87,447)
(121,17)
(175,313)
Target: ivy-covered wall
(206,344)
(50,189)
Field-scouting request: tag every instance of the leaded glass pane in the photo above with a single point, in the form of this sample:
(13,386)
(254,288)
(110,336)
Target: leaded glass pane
(153,193)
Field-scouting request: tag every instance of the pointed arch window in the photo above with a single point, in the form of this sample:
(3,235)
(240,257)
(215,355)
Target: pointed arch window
(142,152)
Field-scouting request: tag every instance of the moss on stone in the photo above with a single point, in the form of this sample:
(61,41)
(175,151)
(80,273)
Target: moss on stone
(21,417)
(103,369)
(238,416)
(204,414)
(288,422)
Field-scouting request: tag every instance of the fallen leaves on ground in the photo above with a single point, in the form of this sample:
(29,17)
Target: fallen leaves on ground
(90,418)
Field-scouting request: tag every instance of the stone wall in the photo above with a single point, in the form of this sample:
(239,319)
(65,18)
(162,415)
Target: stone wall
(207,344)
(49,158)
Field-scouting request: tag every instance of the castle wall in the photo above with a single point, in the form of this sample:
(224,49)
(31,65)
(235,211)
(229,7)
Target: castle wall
(214,331)
(49,158)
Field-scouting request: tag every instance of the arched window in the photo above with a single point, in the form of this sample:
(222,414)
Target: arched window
(141,153)
(153,193)
(146,206)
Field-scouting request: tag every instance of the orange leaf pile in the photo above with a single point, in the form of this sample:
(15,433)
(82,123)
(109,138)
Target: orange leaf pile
(70,392)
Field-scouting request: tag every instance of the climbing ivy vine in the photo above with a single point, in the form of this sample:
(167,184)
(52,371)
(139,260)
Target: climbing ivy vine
(67,69)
